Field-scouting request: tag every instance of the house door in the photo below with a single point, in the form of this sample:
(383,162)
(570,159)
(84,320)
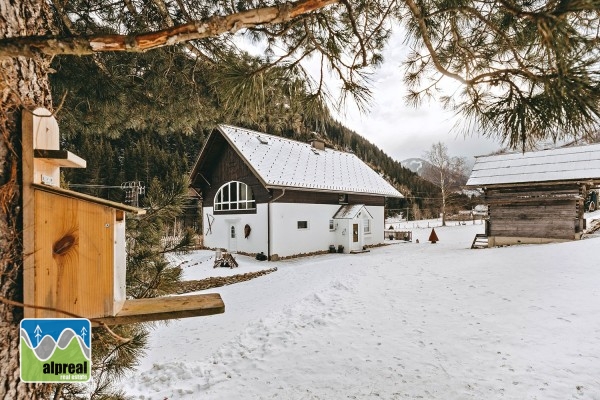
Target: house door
(232,248)
(355,237)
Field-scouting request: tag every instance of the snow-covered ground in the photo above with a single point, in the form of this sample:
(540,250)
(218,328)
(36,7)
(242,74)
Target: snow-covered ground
(408,320)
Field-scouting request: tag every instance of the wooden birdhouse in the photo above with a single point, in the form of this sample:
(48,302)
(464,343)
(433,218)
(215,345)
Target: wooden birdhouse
(74,247)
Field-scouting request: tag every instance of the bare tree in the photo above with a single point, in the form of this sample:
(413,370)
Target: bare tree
(447,173)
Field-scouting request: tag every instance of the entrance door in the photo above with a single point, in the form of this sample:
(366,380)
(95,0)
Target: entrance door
(232,248)
(354,233)
(357,238)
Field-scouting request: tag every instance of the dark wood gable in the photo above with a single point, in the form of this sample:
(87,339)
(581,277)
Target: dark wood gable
(219,163)
(314,197)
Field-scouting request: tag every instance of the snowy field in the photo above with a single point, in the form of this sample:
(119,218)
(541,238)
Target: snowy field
(404,321)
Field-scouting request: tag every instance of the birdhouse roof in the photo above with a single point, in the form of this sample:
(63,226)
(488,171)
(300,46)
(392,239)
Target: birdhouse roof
(91,199)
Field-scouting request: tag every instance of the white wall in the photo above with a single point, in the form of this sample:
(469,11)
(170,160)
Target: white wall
(377,225)
(219,236)
(288,240)
(120,259)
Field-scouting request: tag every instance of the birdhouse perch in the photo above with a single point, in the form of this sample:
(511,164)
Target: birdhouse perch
(74,244)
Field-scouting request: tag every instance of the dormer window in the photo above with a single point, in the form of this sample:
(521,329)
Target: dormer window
(234,196)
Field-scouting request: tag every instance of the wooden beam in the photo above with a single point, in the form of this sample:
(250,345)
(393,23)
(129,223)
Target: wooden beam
(581,181)
(61,158)
(162,308)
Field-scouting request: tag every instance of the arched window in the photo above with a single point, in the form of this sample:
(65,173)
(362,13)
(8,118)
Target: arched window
(234,196)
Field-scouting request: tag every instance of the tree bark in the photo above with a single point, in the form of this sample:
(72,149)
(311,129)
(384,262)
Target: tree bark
(23,85)
(209,27)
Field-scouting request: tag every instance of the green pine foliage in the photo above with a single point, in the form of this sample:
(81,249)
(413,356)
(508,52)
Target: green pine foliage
(149,274)
(526,71)
(160,91)
(112,359)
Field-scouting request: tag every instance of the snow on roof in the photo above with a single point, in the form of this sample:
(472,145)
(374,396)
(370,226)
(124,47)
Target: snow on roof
(563,164)
(281,162)
(350,211)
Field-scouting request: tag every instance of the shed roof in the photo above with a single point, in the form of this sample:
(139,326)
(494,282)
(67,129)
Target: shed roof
(556,165)
(350,211)
(285,163)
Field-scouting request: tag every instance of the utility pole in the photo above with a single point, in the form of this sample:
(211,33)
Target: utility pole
(133,189)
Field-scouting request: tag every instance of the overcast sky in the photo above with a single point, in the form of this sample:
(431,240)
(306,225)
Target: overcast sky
(399,130)
(403,131)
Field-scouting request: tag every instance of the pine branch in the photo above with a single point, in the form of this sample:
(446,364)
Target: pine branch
(209,27)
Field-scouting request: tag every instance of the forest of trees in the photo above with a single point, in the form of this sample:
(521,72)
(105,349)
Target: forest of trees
(132,138)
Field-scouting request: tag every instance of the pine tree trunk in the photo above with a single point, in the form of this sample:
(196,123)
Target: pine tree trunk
(23,85)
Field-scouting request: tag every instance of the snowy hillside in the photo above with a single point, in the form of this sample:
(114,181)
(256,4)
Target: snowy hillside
(408,320)
(414,164)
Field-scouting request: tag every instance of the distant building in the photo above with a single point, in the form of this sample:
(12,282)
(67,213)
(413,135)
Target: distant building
(536,197)
(264,193)
(480,209)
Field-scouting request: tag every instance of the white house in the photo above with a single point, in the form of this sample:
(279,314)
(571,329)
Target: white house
(264,193)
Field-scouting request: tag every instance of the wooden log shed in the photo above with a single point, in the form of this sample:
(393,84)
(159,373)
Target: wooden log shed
(536,197)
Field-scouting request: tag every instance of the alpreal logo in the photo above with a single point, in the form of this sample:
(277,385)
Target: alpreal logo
(55,350)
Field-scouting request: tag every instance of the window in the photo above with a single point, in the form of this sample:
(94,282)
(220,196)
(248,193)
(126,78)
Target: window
(234,196)
(366,225)
(302,224)
(331,225)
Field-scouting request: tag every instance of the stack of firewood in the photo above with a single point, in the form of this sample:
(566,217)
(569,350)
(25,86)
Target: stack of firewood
(226,260)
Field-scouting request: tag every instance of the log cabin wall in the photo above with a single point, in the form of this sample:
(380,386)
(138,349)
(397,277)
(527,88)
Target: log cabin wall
(549,212)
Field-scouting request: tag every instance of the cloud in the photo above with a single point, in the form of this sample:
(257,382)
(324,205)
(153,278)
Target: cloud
(403,131)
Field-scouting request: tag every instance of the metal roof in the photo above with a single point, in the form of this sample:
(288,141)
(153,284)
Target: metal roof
(285,163)
(562,164)
(350,211)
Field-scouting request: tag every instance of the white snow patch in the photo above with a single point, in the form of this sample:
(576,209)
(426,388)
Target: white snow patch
(430,321)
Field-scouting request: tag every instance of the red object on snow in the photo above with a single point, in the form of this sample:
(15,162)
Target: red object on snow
(433,237)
